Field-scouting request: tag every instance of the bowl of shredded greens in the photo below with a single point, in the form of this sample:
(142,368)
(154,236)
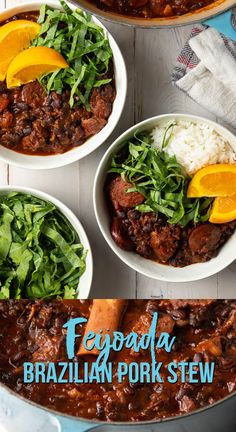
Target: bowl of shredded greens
(142,206)
(44,250)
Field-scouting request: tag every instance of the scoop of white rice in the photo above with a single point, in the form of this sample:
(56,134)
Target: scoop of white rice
(194,145)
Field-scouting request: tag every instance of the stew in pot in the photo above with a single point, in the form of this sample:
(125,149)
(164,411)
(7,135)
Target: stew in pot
(205,331)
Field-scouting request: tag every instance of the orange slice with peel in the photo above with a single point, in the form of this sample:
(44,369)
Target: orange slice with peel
(217,180)
(224,209)
(15,36)
(32,63)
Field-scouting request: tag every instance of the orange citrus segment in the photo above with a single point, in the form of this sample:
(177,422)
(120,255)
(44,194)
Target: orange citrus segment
(224,209)
(213,181)
(30,64)
(15,36)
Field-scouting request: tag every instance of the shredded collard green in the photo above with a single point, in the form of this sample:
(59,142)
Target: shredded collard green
(161,179)
(40,253)
(84,46)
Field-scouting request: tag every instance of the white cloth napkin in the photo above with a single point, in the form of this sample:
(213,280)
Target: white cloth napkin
(206,71)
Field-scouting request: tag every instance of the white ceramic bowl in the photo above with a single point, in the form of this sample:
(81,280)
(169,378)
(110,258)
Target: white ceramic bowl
(55,161)
(227,253)
(86,279)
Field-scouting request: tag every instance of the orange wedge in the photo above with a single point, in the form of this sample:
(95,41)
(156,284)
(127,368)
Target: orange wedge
(224,209)
(15,36)
(213,181)
(32,63)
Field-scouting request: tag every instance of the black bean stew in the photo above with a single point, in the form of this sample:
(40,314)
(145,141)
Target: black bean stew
(151,236)
(152,8)
(205,331)
(33,122)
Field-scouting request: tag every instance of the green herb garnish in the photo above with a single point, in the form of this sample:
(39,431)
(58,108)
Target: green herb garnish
(161,179)
(84,46)
(40,253)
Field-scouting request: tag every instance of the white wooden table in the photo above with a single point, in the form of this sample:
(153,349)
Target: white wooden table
(149,56)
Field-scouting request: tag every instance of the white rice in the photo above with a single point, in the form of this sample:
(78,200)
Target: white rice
(194,145)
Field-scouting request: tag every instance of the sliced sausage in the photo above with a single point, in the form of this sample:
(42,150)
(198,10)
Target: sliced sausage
(204,238)
(119,195)
(120,236)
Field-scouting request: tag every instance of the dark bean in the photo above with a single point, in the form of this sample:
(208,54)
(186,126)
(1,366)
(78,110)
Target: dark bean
(225,312)
(158,388)
(133,214)
(179,314)
(152,307)
(144,249)
(129,390)
(197,317)
(2,87)
(231,334)
(134,405)
(100,410)
(147,228)
(19,107)
(198,357)
(56,103)
(27,130)
(176,346)
(12,139)
(20,355)
(52,400)
(136,385)
(187,404)
(130,231)
(120,214)
(181,393)
(228,362)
